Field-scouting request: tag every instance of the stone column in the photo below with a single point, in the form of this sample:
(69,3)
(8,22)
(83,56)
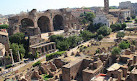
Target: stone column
(12,56)
(51,47)
(19,56)
(51,28)
(44,49)
(54,46)
(47,48)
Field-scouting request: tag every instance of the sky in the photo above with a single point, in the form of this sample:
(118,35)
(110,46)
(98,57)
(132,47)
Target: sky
(16,6)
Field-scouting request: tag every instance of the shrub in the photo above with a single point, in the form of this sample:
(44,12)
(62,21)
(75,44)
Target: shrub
(87,35)
(46,77)
(133,17)
(120,35)
(116,51)
(4,26)
(124,45)
(17,38)
(100,37)
(59,53)
(8,66)
(63,45)
(104,31)
(136,20)
(128,18)
(37,63)
(97,51)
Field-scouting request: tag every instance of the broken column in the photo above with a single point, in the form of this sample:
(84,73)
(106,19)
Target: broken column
(19,56)
(132,48)
(12,56)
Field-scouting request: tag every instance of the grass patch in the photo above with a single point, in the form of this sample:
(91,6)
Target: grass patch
(92,49)
(46,77)
(37,63)
(8,66)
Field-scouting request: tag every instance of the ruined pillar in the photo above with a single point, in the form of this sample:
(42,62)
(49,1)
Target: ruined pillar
(134,59)
(132,48)
(12,56)
(44,49)
(54,46)
(51,28)
(110,61)
(19,56)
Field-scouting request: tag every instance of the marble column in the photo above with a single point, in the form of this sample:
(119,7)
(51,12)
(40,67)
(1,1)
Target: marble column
(44,49)
(12,56)
(54,46)
(19,56)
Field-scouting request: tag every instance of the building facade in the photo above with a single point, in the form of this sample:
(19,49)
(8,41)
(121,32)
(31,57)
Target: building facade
(106,19)
(129,5)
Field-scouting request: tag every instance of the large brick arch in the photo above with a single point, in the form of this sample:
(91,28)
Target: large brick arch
(43,23)
(26,22)
(48,19)
(58,22)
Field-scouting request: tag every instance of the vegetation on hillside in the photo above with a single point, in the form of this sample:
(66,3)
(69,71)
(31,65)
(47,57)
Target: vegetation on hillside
(4,26)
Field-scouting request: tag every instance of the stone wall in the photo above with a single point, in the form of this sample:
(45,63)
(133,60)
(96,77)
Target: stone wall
(4,39)
(37,19)
(71,70)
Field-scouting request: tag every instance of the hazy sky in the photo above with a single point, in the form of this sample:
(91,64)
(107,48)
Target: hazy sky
(16,6)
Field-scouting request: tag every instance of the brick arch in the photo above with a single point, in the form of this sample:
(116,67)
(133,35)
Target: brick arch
(26,22)
(43,23)
(58,22)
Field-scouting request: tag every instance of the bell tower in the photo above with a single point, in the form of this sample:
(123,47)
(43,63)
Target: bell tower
(106,6)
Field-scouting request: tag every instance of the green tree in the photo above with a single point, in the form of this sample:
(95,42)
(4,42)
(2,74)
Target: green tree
(124,45)
(123,25)
(36,55)
(73,41)
(116,27)
(104,30)
(84,21)
(136,20)
(120,35)
(63,45)
(55,38)
(86,35)
(87,17)
(90,16)
(22,51)
(116,51)
(128,18)
(100,37)
(15,48)
(4,26)
(95,27)
(133,17)
(17,38)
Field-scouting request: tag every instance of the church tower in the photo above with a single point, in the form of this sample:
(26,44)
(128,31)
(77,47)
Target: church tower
(106,6)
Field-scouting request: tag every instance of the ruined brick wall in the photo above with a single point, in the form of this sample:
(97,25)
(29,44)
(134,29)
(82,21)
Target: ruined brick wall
(70,73)
(4,39)
(16,25)
(59,63)
(87,76)
(34,39)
